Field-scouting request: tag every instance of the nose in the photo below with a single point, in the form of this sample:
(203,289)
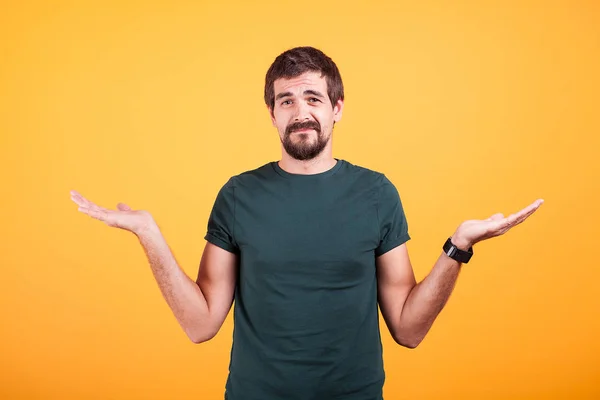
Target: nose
(302,112)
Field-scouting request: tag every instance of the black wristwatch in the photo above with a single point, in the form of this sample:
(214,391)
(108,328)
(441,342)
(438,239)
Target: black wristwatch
(455,253)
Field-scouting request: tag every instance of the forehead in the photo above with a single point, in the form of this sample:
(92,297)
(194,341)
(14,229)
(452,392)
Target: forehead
(308,80)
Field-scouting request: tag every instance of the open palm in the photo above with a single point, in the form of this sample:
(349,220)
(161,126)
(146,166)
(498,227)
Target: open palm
(473,231)
(123,217)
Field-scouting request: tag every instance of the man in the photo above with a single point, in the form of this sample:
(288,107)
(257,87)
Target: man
(308,247)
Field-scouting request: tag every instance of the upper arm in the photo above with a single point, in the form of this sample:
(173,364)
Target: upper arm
(395,276)
(217,278)
(395,280)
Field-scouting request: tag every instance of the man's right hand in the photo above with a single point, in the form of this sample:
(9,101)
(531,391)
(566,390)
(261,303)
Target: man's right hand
(200,307)
(136,221)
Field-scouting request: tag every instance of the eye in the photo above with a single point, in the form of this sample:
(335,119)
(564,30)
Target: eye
(285,102)
(313,99)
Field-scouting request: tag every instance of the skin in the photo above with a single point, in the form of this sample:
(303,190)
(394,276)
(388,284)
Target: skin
(300,106)
(201,306)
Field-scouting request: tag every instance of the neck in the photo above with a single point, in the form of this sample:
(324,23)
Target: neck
(323,162)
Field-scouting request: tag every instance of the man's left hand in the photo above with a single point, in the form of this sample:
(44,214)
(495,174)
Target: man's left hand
(473,231)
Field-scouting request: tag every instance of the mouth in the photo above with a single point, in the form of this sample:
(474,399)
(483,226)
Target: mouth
(303,130)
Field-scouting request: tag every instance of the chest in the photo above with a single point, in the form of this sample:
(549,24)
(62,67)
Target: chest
(325,234)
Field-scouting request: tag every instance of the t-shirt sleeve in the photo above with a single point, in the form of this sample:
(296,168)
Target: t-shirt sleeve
(221,223)
(393,226)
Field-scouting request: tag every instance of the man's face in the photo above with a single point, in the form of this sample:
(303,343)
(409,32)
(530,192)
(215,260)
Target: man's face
(303,114)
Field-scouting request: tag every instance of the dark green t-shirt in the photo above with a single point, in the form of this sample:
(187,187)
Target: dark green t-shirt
(305,313)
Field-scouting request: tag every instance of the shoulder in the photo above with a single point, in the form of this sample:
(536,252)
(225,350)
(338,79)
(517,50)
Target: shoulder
(250,177)
(376,178)
(387,192)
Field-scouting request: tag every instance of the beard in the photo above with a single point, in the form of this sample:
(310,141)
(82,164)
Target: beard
(303,148)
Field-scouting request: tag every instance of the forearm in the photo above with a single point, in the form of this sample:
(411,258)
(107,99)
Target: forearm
(426,300)
(181,293)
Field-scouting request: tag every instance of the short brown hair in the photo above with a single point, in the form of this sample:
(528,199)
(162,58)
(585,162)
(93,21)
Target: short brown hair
(295,62)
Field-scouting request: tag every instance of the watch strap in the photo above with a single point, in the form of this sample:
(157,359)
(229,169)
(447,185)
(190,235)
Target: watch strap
(455,253)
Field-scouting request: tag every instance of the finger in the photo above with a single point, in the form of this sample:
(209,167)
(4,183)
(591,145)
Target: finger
(495,217)
(77,198)
(524,217)
(97,214)
(517,218)
(498,226)
(527,211)
(123,207)
(83,202)
(76,195)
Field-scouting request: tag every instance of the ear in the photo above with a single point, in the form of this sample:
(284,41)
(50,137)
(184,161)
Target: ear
(271,115)
(337,110)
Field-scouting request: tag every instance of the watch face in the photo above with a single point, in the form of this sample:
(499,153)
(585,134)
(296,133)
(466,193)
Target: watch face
(448,247)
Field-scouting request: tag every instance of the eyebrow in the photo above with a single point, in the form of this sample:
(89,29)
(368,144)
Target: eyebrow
(306,92)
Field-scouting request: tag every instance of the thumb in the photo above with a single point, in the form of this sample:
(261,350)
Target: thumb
(123,207)
(495,217)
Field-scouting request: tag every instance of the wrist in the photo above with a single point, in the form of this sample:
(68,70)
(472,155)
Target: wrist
(460,242)
(148,228)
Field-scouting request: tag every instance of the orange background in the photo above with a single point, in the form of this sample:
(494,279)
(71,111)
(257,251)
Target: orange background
(470,108)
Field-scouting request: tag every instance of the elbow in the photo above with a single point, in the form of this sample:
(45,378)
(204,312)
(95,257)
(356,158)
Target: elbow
(408,342)
(198,337)
(410,345)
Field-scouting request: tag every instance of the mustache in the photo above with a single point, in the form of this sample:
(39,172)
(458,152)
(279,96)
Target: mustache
(297,126)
